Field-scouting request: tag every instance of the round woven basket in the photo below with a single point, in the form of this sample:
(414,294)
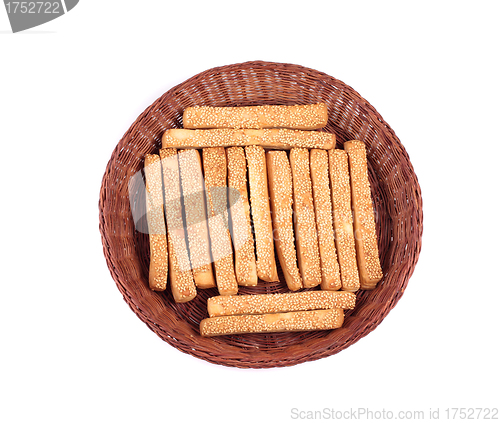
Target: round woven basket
(395,189)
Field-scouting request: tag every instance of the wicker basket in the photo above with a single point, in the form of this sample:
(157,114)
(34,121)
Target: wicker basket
(396,194)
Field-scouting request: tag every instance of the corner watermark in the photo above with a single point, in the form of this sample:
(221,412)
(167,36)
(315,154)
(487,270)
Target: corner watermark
(29,14)
(363,413)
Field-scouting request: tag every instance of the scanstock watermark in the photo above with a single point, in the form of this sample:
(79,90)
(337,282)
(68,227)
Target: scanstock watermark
(28,14)
(363,413)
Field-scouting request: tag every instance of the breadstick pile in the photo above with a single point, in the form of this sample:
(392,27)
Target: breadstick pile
(240,188)
(295,311)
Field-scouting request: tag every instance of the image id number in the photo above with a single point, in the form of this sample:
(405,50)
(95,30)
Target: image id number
(32,7)
(471,413)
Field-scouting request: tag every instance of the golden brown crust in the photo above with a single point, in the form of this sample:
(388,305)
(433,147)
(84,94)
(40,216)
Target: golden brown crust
(309,116)
(370,271)
(241,228)
(280,190)
(268,138)
(294,321)
(215,168)
(193,190)
(158,265)
(228,305)
(330,270)
(342,219)
(181,276)
(305,220)
(261,214)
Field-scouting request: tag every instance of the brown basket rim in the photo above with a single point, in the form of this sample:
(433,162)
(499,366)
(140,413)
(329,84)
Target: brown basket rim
(190,342)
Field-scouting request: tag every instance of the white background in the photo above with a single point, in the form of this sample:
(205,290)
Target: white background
(73,351)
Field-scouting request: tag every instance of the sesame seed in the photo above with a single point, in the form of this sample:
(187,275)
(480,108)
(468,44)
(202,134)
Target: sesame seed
(275,322)
(214,165)
(158,268)
(261,214)
(270,138)
(330,270)
(244,249)
(181,276)
(364,220)
(309,116)
(280,187)
(342,219)
(281,302)
(305,220)
(193,191)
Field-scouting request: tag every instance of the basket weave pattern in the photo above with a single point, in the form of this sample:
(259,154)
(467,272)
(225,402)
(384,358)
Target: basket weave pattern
(396,195)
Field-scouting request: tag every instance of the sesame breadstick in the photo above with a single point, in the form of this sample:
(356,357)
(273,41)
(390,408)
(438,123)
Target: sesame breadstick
(370,271)
(241,228)
(330,271)
(193,191)
(181,276)
(305,220)
(309,116)
(268,138)
(280,190)
(293,321)
(215,168)
(342,219)
(158,264)
(261,214)
(228,305)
